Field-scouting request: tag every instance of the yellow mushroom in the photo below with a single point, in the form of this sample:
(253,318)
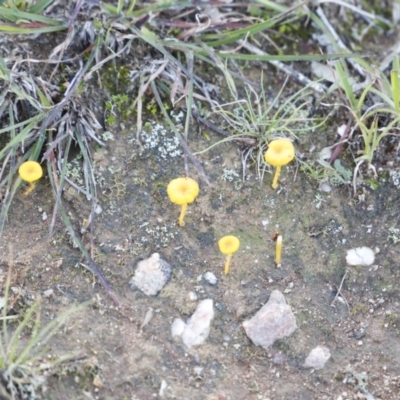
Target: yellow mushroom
(278,252)
(182,191)
(30,171)
(280,152)
(228,245)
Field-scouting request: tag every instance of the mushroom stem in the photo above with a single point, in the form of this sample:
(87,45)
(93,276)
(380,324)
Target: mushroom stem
(278,258)
(227,263)
(183,212)
(30,188)
(276,177)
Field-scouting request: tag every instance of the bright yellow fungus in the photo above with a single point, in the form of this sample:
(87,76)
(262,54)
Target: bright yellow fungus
(228,245)
(30,171)
(280,152)
(278,251)
(182,191)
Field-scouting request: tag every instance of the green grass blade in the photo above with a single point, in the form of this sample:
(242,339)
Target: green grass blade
(17,15)
(394,78)
(345,83)
(46,333)
(39,6)
(19,30)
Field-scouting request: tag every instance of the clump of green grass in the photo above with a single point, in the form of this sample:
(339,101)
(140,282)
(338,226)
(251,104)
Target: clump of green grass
(23,346)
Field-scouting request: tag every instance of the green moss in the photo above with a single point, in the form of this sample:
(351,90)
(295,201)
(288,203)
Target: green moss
(359,309)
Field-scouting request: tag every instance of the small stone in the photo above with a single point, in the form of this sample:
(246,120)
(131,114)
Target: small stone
(177,327)
(360,256)
(162,388)
(44,216)
(275,320)
(48,293)
(211,278)
(151,275)
(97,382)
(192,296)
(197,328)
(98,209)
(317,358)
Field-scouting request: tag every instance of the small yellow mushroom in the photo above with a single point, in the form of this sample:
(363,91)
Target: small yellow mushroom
(278,257)
(280,152)
(30,171)
(228,245)
(182,191)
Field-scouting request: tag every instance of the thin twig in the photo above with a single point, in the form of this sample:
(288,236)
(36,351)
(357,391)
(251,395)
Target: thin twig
(338,40)
(338,293)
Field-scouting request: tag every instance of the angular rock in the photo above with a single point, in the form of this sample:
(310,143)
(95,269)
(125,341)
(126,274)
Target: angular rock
(151,275)
(317,358)
(197,328)
(275,320)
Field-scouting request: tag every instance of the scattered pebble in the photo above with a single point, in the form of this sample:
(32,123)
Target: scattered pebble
(360,256)
(275,320)
(151,275)
(147,317)
(211,278)
(48,292)
(197,328)
(177,327)
(98,382)
(44,216)
(192,296)
(317,358)
(162,388)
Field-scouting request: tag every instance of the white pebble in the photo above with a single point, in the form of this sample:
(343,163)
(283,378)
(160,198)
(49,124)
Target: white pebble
(44,216)
(48,293)
(192,296)
(177,327)
(211,278)
(360,256)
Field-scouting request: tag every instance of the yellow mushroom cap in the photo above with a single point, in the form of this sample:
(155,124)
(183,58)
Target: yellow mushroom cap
(182,190)
(280,152)
(30,171)
(228,244)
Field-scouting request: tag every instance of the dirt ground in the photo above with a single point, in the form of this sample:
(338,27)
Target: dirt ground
(117,356)
(126,361)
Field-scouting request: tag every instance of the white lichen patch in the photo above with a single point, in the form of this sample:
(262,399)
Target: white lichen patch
(395,176)
(394,235)
(160,235)
(107,135)
(230,175)
(156,136)
(74,170)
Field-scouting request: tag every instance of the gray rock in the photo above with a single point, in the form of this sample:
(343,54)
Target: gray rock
(317,358)
(275,320)
(151,275)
